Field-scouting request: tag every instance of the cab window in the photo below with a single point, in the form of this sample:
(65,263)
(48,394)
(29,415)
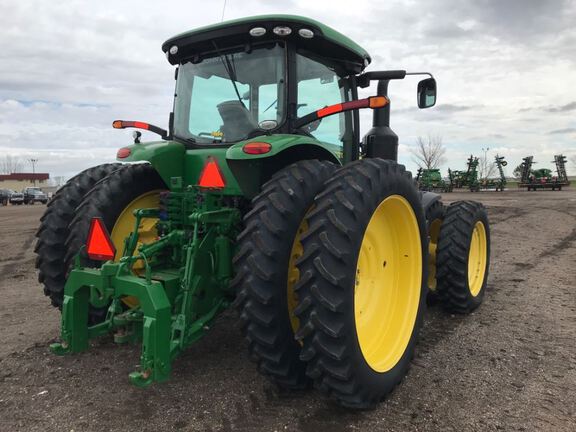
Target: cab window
(320,85)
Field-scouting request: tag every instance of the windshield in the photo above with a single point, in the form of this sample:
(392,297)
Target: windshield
(225,98)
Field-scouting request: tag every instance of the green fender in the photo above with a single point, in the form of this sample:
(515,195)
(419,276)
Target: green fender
(251,171)
(167,157)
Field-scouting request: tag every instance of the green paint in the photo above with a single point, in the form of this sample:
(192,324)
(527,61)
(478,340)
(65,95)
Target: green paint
(281,142)
(166,156)
(176,307)
(327,32)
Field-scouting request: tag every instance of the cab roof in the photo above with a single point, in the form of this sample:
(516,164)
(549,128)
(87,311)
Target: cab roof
(326,41)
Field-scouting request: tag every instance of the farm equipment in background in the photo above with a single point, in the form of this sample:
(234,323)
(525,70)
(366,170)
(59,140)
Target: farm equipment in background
(465,179)
(542,178)
(430,180)
(258,195)
(497,184)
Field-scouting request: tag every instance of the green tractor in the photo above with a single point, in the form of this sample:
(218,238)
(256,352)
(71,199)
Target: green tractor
(261,195)
(466,179)
(430,180)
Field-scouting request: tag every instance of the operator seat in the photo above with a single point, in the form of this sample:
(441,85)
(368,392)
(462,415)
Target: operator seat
(237,120)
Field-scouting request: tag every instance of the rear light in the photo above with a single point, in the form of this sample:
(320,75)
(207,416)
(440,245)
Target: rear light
(211,177)
(99,245)
(256,148)
(123,153)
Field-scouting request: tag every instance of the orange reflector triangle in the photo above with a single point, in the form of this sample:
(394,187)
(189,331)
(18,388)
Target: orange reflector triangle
(99,245)
(211,176)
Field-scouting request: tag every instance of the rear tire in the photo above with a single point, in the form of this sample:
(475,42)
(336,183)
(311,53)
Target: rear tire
(267,248)
(54,230)
(363,285)
(107,200)
(463,257)
(434,217)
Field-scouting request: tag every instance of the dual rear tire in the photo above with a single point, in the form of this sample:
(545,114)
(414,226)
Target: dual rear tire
(111,192)
(332,275)
(331,278)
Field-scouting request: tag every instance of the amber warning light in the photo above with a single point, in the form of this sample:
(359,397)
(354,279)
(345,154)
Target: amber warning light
(99,245)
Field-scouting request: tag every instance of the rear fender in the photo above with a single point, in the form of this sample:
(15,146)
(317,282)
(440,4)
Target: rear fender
(252,171)
(167,157)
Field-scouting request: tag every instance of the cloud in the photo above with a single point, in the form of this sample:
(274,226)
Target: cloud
(562,131)
(67,69)
(561,108)
(450,108)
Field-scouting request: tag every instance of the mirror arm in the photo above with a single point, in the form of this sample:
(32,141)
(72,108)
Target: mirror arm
(420,73)
(364,79)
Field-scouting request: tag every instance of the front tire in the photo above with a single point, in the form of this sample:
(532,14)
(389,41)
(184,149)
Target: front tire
(363,282)
(266,273)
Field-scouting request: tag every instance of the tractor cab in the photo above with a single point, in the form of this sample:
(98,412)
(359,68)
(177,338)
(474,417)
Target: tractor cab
(260,75)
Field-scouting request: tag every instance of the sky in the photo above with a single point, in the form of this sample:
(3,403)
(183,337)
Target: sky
(506,72)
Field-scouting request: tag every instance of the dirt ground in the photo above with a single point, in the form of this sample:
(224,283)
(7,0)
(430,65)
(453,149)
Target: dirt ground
(511,365)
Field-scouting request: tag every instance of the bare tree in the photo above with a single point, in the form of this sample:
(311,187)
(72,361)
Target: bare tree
(429,152)
(486,166)
(10,164)
(58,181)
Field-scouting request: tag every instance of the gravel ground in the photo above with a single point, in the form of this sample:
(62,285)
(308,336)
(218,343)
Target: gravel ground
(511,365)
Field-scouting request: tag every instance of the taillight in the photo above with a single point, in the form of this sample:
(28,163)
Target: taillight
(123,153)
(256,148)
(99,245)
(211,177)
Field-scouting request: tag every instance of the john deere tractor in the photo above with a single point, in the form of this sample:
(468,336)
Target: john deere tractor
(261,194)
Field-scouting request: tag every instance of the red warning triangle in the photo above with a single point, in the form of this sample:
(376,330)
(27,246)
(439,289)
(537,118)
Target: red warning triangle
(211,176)
(99,245)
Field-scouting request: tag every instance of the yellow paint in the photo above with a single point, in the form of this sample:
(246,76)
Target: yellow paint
(432,246)
(146,231)
(294,275)
(477,258)
(388,283)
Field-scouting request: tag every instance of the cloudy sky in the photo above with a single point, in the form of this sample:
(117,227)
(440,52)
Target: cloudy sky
(506,71)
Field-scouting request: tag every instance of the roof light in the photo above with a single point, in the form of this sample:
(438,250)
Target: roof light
(282,30)
(174,49)
(211,177)
(257,31)
(123,153)
(306,33)
(268,124)
(99,245)
(257,148)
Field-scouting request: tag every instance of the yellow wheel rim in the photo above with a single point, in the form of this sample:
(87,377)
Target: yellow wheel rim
(477,259)
(294,275)
(388,283)
(432,246)
(147,233)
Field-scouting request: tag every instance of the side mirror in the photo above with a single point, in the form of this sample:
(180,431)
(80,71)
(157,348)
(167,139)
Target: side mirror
(427,93)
